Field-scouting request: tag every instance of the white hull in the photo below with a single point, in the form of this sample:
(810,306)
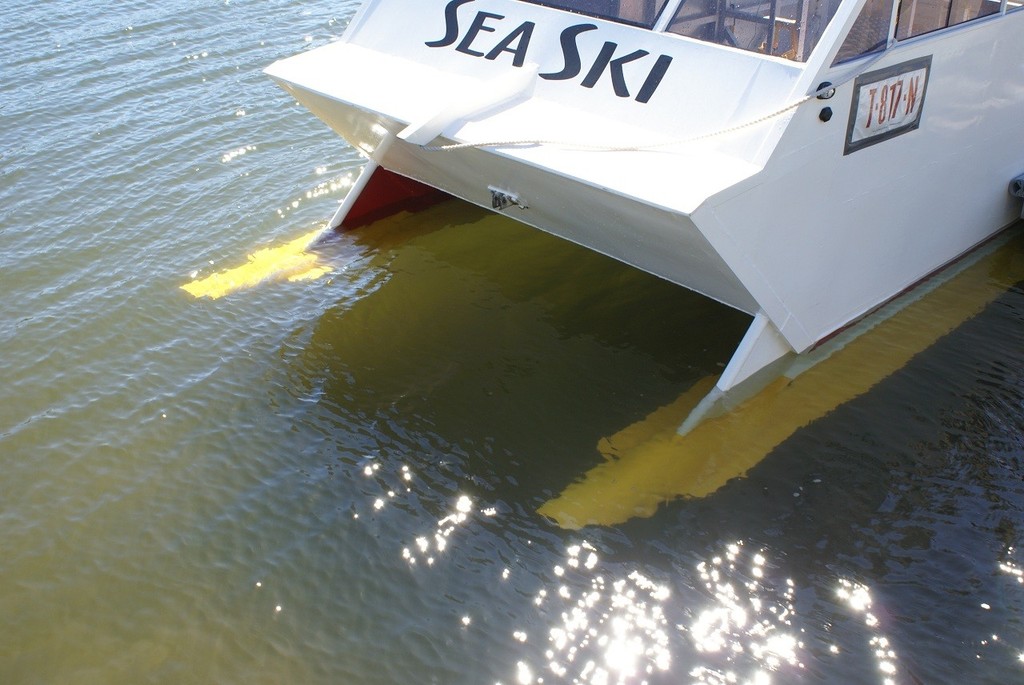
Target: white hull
(777,218)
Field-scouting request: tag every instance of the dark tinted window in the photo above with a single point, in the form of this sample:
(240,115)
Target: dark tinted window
(637,12)
(784,28)
(870,32)
(923,16)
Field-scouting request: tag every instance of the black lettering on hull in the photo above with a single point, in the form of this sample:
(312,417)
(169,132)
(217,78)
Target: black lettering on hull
(473,42)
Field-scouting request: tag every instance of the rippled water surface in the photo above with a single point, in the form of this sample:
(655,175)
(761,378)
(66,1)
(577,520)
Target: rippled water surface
(337,480)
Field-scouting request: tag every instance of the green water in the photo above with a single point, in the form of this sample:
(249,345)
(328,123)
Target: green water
(336,481)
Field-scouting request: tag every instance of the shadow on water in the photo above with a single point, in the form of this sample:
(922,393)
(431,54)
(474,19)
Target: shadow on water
(513,348)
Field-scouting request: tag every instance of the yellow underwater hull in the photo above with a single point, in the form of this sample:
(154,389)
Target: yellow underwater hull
(649,462)
(292,261)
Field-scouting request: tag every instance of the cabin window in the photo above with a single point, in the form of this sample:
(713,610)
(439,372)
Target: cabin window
(870,33)
(924,16)
(636,12)
(784,28)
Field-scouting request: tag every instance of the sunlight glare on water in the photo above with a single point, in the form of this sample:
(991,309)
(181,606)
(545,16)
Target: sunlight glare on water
(749,624)
(858,597)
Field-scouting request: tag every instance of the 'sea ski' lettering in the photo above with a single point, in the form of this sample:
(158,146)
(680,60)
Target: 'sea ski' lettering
(476,41)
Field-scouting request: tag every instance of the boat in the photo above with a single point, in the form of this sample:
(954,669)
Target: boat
(803,161)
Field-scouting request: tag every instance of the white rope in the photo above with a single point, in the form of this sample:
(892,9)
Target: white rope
(531,142)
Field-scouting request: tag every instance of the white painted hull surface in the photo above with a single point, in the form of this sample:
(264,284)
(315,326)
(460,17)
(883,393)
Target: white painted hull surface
(733,193)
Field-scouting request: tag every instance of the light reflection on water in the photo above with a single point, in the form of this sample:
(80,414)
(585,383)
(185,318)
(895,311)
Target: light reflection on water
(734,618)
(426,547)
(733,621)
(747,625)
(613,630)
(858,598)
